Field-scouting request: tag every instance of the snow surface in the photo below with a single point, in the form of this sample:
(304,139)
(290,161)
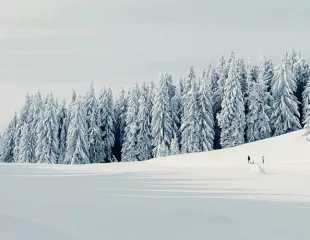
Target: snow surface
(194,196)
(257,170)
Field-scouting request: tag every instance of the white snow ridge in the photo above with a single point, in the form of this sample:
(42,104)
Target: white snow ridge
(256,169)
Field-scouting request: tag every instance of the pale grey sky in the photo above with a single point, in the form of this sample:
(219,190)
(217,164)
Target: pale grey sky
(57,45)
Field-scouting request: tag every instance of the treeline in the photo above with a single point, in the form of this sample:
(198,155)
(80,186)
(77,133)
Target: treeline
(227,105)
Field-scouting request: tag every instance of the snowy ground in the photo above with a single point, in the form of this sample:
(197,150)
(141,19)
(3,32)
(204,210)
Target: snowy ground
(214,195)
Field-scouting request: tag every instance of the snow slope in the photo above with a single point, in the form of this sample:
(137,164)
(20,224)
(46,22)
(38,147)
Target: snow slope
(195,196)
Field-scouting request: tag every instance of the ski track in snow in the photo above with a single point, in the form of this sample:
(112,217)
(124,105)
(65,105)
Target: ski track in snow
(196,196)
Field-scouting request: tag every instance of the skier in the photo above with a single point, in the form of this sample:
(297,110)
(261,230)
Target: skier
(249,160)
(263,159)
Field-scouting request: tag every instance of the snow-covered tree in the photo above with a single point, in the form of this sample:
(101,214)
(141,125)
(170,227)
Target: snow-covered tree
(130,148)
(48,127)
(62,116)
(77,146)
(190,128)
(267,69)
(242,74)
(106,122)
(8,143)
(205,114)
(23,119)
(25,145)
(258,122)
(94,134)
(120,123)
(144,145)
(232,117)
(285,105)
(162,121)
(302,74)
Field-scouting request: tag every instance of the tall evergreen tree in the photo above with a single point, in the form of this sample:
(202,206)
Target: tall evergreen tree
(162,121)
(48,127)
(25,145)
(285,117)
(144,145)
(106,122)
(232,116)
(190,128)
(62,116)
(258,122)
(8,141)
(94,134)
(77,146)
(205,114)
(120,123)
(302,74)
(130,148)
(23,119)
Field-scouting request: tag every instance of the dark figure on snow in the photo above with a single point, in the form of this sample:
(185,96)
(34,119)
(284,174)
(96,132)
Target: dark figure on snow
(263,159)
(249,160)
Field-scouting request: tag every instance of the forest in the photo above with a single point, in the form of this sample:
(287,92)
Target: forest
(226,105)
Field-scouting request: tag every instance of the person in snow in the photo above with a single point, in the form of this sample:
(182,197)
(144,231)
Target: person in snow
(263,159)
(249,160)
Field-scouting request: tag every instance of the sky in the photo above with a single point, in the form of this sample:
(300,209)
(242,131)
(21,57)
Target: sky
(60,45)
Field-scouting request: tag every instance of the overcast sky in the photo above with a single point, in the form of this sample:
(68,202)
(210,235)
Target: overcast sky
(58,45)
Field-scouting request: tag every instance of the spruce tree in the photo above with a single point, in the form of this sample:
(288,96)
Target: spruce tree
(106,122)
(144,145)
(8,141)
(25,145)
(302,74)
(205,114)
(93,129)
(120,122)
(47,142)
(162,121)
(258,122)
(23,119)
(62,116)
(232,117)
(130,148)
(190,128)
(77,146)
(285,116)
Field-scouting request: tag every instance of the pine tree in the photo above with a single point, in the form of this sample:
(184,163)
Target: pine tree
(120,122)
(130,149)
(285,105)
(302,74)
(232,117)
(144,145)
(190,128)
(25,145)
(205,117)
(62,116)
(47,142)
(242,74)
(94,134)
(267,69)
(162,121)
(258,122)
(8,141)
(77,146)
(106,122)
(23,119)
